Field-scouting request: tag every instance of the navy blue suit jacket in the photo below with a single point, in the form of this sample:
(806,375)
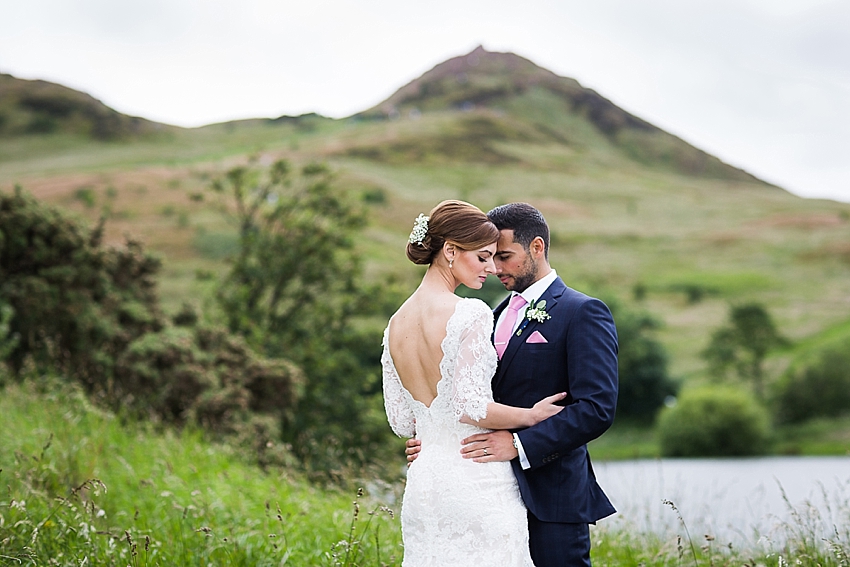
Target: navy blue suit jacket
(580,358)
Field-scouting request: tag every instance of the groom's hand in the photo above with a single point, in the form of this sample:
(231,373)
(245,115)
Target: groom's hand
(412,448)
(489,447)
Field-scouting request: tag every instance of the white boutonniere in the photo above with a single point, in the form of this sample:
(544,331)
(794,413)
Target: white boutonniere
(537,311)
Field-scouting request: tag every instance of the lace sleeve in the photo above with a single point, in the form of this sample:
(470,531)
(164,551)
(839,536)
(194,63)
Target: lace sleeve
(476,363)
(396,405)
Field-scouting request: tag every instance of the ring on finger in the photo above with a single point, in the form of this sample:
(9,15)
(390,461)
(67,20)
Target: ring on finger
(485,451)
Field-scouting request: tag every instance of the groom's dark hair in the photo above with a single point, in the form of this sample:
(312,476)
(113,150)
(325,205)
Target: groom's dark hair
(526,222)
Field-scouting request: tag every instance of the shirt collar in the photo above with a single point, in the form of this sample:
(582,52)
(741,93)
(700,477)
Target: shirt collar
(535,290)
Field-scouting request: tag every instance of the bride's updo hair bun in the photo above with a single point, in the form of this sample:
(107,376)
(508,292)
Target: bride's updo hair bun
(457,222)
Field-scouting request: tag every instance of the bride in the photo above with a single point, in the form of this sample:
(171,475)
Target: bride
(437,365)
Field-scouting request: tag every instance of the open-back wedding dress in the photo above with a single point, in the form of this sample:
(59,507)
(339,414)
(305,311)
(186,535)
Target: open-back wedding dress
(456,512)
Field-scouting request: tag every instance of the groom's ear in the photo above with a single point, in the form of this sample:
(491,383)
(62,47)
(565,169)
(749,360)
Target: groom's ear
(537,247)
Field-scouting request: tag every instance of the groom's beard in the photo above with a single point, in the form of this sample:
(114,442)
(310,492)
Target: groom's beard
(525,278)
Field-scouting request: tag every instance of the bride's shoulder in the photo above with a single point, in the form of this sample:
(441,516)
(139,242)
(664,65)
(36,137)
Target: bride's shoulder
(472,309)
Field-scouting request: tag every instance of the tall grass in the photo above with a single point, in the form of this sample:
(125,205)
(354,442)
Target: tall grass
(82,488)
(811,538)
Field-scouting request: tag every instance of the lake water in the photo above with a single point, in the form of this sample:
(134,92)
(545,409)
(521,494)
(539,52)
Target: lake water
(739,501)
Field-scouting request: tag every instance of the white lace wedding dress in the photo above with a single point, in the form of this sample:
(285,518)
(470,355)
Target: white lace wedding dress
(456,512)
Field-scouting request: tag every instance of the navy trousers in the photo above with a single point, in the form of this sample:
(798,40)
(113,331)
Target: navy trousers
(558,545)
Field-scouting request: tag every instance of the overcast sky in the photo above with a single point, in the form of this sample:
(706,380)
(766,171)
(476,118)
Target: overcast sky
(762,84)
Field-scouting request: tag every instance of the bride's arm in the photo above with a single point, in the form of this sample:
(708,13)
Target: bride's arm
(474,368)
(500,416)
(399,414)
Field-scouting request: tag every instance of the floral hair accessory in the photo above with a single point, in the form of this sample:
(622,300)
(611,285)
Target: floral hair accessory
(420,229)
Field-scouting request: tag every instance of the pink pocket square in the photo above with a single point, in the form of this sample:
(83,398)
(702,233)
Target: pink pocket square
(536,338)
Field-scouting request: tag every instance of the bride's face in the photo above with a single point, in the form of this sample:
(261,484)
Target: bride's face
(471,267)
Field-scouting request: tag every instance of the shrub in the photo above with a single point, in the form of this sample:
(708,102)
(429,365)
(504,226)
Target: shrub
(8,341)
(76,304)
(644,380)
(375,196)
(72,307)
(203,374)
(820,389)
(714,422)
(86,196)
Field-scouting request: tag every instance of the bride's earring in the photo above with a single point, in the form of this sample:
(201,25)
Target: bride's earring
(450,264)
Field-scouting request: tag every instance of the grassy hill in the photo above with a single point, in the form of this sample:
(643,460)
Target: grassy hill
(40,107)
(532,106)
(632,208)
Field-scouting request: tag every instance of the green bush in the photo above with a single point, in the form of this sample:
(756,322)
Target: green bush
(645,383)
(76,304)
(210,377)
(819,389)
(74,308)
(86,196)
(375,196)
(714,422)
(8,341)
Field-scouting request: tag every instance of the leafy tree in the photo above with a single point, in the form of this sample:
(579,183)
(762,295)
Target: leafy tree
(295,272)
(294,290)
(820,388)
(743,344)
(645,383)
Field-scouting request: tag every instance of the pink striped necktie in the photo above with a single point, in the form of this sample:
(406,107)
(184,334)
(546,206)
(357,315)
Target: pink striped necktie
(506,328)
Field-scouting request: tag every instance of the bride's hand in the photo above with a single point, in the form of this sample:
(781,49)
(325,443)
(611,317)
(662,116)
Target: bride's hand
(546,407)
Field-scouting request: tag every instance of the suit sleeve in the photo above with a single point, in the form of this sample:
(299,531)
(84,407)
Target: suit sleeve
(591,355)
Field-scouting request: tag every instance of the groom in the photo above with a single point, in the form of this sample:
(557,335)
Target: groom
(567,344)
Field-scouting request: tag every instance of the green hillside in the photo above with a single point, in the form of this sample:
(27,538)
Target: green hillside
(40,107)
(536,107)
(632,207)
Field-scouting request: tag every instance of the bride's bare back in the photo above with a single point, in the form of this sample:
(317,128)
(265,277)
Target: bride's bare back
(416,334)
